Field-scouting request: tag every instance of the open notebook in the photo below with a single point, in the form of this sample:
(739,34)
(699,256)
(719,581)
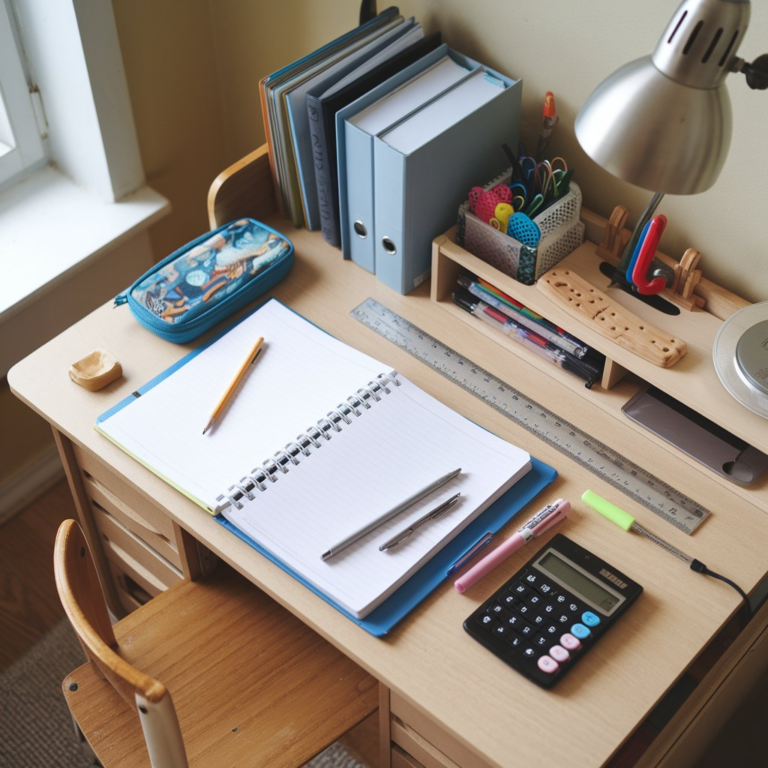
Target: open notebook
(319,440)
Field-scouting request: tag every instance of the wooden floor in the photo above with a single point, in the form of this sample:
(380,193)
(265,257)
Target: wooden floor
(29,607)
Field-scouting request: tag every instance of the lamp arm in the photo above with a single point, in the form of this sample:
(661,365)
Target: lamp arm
(757,73)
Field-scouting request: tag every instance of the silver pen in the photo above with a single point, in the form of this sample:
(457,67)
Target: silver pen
(438,511)
(418,496)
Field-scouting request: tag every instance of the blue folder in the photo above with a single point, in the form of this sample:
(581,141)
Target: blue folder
(382,619)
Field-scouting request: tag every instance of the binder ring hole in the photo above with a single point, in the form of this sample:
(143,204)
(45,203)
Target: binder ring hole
(360,230)
(389,246)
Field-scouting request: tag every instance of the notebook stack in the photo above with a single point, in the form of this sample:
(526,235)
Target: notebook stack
(375,138)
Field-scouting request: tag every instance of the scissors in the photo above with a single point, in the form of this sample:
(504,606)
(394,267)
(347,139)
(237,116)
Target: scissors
(643,257)
(501,216)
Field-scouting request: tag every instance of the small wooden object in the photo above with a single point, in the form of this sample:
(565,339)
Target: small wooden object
(582,300)
(96,370)
(615,237)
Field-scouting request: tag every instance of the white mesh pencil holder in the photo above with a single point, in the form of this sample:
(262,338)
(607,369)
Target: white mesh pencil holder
(561,233)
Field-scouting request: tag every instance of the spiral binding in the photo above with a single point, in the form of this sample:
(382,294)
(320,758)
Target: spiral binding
(313,438)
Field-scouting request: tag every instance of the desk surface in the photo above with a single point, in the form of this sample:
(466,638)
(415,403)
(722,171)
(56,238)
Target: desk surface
(428,659)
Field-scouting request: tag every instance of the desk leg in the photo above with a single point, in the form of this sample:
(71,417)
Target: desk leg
(83,505)
(385,728)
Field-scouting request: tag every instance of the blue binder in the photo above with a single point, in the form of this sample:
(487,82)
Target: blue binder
(418,194)
(355,161)
(396,607)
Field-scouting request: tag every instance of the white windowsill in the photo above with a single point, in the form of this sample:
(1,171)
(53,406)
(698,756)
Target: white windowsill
(50,228)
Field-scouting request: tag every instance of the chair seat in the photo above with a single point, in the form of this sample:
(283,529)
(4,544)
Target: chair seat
(251,684)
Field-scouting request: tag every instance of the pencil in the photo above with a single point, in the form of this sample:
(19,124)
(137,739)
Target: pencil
(227,396)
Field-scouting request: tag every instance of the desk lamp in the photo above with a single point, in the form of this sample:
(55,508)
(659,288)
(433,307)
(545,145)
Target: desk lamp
(663,122)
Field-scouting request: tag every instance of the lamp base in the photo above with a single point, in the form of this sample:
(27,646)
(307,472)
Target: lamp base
(620,281)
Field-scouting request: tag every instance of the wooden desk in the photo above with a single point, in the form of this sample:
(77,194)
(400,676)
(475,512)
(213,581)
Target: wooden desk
(445,700)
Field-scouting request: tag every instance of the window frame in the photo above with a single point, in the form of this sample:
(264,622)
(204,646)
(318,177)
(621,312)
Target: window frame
(20,135)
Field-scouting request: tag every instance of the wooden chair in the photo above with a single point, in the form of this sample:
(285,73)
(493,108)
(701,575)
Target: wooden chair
(252,685)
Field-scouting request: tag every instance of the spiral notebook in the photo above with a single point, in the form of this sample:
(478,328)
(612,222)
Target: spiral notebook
(320,439)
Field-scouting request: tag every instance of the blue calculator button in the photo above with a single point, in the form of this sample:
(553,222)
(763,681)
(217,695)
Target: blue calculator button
(590,619)
(580,631)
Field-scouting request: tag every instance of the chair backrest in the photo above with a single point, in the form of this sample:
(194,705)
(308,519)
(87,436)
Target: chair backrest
(244,189)
(83,600)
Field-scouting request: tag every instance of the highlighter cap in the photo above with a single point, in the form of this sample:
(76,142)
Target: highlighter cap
(606,509)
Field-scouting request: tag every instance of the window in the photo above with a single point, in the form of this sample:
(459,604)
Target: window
(21,143)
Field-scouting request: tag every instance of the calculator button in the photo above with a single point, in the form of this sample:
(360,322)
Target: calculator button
(590,619)
(514,621)
(523,608)
(509,599)
(570,642)
(538,619)
(501,630)
(528,630)
(542,641)
(545,588)
(531,578)
(516,641)
(561,599)
(520,590)
(573,607)
(552,629)
(486,619)
(563,618)
(496,608)
(534,600)
(548,665)
(559,654)
(549,608)
(580,631)
(529,653)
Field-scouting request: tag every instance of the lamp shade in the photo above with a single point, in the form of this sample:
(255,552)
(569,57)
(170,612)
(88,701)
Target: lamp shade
(663,122)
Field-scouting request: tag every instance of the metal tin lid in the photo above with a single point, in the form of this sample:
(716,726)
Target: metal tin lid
(752,356)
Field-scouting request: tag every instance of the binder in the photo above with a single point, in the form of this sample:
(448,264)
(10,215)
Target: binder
(355,145)
(332,475)
(418,188)
(322,111)
(298,118)
(431,575)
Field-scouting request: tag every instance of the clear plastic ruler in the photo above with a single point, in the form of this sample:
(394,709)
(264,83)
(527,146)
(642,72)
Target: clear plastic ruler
(611,466)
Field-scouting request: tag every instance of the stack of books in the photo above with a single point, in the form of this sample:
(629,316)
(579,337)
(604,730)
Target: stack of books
(375,138)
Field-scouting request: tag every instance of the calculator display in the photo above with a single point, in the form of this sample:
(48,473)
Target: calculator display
(574,578)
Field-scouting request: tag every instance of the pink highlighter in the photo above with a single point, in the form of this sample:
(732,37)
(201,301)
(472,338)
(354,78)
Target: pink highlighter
(542,521)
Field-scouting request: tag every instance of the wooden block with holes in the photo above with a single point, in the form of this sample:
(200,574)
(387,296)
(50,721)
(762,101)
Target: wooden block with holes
(585,302)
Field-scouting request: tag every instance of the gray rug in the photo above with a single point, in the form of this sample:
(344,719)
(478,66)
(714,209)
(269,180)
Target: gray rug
(36,729)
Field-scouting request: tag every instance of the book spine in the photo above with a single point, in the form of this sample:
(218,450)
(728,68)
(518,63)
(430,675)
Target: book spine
(313,438)
(324,160)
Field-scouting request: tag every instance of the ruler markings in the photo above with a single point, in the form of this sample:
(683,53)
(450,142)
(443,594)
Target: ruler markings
(623,474)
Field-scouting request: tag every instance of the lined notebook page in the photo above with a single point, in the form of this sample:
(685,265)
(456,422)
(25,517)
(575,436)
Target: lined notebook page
(301,374)
(405,441)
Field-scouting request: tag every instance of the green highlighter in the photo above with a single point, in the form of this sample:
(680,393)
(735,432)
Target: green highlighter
(627,522)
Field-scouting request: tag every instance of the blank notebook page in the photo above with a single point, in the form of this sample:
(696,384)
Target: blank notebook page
(301,374)
(398,446)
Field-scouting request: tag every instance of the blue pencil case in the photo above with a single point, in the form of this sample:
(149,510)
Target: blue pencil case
(201,283)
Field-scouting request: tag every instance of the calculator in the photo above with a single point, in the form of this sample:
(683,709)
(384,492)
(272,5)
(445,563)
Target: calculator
(552,611)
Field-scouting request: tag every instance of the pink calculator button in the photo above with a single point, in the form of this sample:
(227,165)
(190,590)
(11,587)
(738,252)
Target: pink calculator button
(558,653)
(548,665)
(569,642)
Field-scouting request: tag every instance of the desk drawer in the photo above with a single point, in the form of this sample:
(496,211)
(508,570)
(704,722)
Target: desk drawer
(130,553)
(402,759)
(105,504)
(132,505)
(424,741)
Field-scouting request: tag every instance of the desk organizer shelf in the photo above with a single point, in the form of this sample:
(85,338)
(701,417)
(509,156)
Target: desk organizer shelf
(561,232)
(692,380)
